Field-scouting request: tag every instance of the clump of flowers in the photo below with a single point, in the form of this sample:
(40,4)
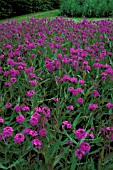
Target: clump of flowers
(37,143)
(83,149)
(7,131)
(19,138)
(20,118)
(80,133)
(66,124)
(93,106)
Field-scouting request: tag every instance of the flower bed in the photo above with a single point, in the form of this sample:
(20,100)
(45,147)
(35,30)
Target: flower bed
(56,96)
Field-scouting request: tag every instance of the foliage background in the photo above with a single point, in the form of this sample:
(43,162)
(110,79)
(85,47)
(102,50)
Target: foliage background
(11,8)
(88,8)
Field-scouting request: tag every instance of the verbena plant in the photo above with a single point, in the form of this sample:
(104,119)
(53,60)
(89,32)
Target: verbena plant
(56,98)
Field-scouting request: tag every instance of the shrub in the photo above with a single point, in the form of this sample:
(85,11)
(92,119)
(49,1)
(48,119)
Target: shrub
(89,8)
(11,8)
(5,8)
(21,7)
(56,4)
(39,5)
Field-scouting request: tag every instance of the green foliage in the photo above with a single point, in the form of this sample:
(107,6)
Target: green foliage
(5,8)
(88,8)
(39,5)
(11,8)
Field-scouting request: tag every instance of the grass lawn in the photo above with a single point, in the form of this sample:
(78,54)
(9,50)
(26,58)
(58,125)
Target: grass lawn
(56,93)
(45,14)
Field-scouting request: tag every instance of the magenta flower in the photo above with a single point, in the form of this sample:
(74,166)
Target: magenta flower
(19,138)
(7,83)
(37,143)
(8,105)
(80,100)
(33,82)
(30,93)
(81,82)
(108,128)
(80,133)
(20,118)
(33,121)
(69,143)
(88,68)
(6,73)
(84,146)
(57,64)
(79,153)
(70,107)
(25,108)
(93,106)
(59,56)
(1,137)
(91,135)
(72,51)
(36,114)
(1,70)
(75,92)
(73,79)
(17,108)
(109,105)
(38,109)
(95,93)
(65,78)
(55,99)
(71,89)
(1,56)
(33,133)
(33,55)
(1,120)
(46,111)
(7,131)
(13,80)
(27,131)
(43,132)
(66,124)
(50,67)
(79,90)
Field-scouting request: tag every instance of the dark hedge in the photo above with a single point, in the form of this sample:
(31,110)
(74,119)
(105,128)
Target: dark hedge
(11,8)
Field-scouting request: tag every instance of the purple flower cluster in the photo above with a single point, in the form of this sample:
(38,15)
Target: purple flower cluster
(80,133)
(7,132)
(70,79)
(83,149)
(93,106)
(107,133)
(75,92)
(66,124)
(19,138)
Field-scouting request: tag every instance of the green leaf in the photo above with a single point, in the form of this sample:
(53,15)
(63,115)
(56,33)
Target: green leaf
(54,148)
(74,162)
(76,120)
(108,158)
(109,167)
(3,167)
(15,163)
(71,139)
(62,155)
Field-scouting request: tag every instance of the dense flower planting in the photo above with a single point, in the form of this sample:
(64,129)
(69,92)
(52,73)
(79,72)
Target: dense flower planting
(56,98)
